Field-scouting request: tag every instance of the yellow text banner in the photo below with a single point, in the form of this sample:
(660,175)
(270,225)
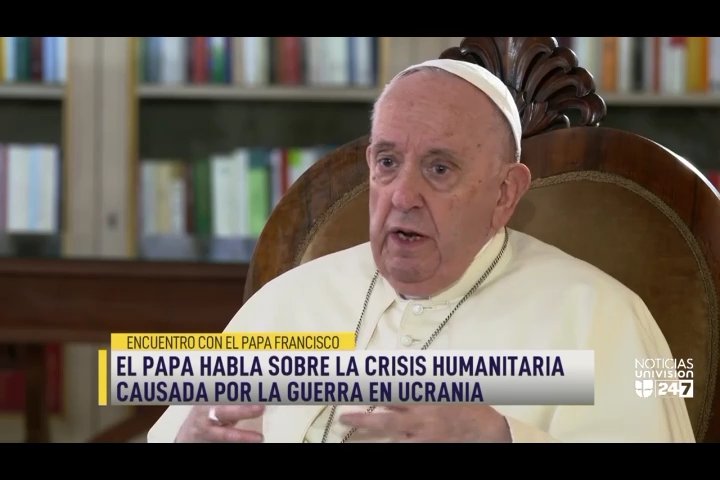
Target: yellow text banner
(234,341)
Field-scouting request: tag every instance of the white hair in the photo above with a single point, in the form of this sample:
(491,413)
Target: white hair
(500,96)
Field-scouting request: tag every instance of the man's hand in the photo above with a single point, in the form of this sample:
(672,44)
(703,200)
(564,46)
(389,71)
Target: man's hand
(433,423)
(200,427)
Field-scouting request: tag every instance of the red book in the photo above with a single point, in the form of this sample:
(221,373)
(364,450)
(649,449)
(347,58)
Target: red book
(289,60)
(199,60)
(12,384)
(36,59)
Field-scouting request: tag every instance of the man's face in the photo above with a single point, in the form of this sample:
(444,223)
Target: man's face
(437,158)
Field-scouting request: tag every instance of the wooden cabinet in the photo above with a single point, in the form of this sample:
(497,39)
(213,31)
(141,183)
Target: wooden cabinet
(63,300)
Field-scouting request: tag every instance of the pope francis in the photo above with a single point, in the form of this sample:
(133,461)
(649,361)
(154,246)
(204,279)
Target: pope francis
(443,271)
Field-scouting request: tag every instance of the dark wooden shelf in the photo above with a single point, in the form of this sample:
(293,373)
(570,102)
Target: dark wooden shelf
(61,300)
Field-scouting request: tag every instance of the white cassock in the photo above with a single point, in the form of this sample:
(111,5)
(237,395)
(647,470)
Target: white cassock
(537,297)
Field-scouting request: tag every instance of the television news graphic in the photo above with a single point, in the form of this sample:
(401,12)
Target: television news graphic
(664,377)
(300,368)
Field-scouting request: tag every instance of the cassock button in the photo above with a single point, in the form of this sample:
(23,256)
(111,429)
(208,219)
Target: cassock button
(417,309)
(406,340)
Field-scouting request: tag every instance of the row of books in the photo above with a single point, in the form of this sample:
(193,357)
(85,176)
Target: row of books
(227,195)
(660,65)
(29,188)
(259,61)
(33,59)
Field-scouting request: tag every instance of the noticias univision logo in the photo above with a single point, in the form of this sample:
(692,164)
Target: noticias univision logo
(663,377)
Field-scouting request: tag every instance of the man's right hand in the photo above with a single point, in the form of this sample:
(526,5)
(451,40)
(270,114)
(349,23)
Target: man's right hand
(200,427)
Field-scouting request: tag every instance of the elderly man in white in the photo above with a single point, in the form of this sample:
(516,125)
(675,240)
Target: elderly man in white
(442,270)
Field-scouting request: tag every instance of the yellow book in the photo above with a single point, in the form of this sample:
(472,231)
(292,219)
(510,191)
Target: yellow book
(383,61)
(697,64)
(609,68)
(2,59)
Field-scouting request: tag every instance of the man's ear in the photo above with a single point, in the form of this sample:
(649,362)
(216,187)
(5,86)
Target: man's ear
(367,155)
(515,184)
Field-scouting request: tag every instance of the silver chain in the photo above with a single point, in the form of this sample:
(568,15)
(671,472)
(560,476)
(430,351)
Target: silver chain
(429,341)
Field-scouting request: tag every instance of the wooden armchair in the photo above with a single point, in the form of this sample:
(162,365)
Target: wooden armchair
(617,200)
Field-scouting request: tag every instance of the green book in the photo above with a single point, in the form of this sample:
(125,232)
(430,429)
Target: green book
(143,60)
(202,197)
(259,188)
(22,59)
(218,60)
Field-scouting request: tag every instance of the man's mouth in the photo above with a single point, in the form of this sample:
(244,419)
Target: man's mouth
(407,235)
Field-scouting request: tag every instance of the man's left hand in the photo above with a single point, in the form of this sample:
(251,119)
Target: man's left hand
(433,423)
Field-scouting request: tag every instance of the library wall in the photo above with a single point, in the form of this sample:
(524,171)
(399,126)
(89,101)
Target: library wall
(663,88)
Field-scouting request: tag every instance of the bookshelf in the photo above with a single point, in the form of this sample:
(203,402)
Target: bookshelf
(32,95)
(227,123)
(260,94)
(664,88)
(31,92)
(705,100)
(32,88)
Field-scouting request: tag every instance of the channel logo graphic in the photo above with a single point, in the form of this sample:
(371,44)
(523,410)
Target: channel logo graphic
(664,377)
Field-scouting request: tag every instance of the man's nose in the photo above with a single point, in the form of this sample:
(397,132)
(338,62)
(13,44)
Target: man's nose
(407,191)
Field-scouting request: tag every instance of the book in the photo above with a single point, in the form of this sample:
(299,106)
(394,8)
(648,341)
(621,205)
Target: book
(13,382)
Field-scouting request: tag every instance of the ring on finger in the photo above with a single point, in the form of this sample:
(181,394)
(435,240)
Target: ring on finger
(212,415)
